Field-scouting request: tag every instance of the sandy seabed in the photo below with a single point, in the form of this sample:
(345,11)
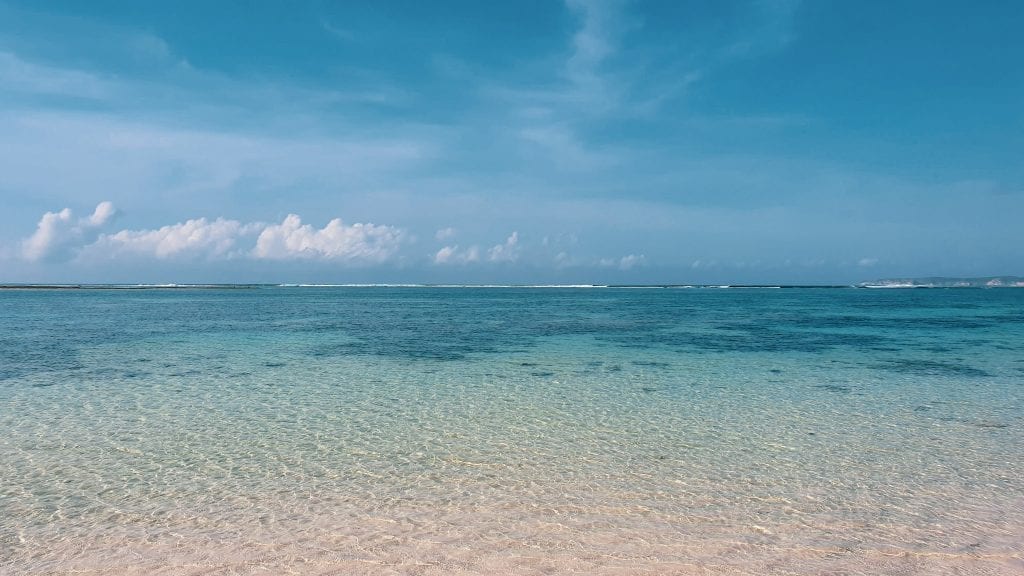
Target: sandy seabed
(515,540)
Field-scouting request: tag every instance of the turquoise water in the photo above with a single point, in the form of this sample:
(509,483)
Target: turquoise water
(528,431)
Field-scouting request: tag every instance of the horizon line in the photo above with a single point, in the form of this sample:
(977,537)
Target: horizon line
(881,284)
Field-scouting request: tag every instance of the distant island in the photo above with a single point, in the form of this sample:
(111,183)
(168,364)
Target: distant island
(944,282)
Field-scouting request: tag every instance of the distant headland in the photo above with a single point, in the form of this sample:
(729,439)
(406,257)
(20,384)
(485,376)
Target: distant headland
(945,282)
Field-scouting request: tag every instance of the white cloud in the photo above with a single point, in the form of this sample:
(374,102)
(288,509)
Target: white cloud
(59,235)
(52,229)
(103,213)
(507,252)
(193,237)
(867,262)
(631,261)
(445,233)
(453,255)
(59,232)
(291,239)
(445,255)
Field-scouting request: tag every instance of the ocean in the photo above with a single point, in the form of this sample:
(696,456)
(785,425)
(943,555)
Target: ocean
(448,430)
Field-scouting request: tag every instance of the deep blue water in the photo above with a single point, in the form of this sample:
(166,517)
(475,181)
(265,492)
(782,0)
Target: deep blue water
(971,333)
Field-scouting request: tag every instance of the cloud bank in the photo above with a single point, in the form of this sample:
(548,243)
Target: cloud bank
(59,236)
(196,237)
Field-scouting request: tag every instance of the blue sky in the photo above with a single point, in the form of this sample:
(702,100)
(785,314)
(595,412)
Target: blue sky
(575,142)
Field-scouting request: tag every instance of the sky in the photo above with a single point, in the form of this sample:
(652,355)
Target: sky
(510,142)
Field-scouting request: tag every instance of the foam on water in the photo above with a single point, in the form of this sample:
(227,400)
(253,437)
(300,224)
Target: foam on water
(442,431)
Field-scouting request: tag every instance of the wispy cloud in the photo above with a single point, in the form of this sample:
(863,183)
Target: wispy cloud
(190,165)
(455,255)
(24,77)
(337,32)
(625,263)
(631,261)
(769,28)
(592,44)
(507,252)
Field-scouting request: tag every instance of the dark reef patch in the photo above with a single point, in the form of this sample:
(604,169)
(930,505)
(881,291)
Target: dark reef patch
(837,388)
(989,424)
(650,363)
(931,368)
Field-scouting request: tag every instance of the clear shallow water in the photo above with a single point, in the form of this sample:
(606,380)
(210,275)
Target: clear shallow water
(437,431)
